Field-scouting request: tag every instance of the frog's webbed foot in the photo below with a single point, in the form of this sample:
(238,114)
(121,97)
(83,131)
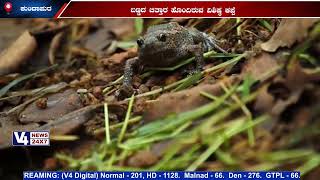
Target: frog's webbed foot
(126,89)
(197,51)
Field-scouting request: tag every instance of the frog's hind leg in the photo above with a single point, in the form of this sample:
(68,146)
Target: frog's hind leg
(211,42)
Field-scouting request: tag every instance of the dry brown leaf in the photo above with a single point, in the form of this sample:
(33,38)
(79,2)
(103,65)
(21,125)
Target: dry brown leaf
(259,66)
(142,158)
(281,105)
(71,121)
(121,27)
(283,92)
(60,126)
(20,51)
(295,81)
(184,100)
(264,101)
(288,32)
(57,105)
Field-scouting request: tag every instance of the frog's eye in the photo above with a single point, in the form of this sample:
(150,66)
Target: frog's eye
(162,37)
(140,42)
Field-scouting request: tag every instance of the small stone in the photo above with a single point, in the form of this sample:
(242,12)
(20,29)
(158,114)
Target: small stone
(82,91)
(85,78)
(42,103)
(142,89)
(110,99)
(97,92)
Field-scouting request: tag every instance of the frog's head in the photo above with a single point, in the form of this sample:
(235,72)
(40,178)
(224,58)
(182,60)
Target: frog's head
(159,39)
(157,42)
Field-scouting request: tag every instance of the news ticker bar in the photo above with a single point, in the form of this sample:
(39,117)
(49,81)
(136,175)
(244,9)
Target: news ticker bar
(138,8)
(191,9)
(147,175)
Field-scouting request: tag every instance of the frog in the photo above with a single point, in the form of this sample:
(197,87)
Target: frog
(166,45)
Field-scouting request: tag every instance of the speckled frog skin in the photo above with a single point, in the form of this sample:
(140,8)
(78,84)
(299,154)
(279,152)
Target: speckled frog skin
(166,45)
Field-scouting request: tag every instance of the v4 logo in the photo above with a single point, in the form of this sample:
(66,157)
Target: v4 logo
(20,138)
(30,138)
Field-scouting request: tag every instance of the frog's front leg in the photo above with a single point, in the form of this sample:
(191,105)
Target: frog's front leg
(197,50)
(130,68)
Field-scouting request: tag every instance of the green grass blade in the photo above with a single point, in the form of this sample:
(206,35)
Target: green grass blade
(106,122)
(189,82)
(13,83)
(219,139)
(227,63)
(286,155)
(225,157)
(125,124)
(172,122)
(247,84)
(266,25)
(138,24)
(313,162)
(126,44)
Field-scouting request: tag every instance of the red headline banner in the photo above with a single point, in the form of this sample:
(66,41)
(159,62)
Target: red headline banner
(191,9)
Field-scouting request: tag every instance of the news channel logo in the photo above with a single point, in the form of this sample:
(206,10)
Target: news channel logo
(30,138)
(7,7)
(30,9)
